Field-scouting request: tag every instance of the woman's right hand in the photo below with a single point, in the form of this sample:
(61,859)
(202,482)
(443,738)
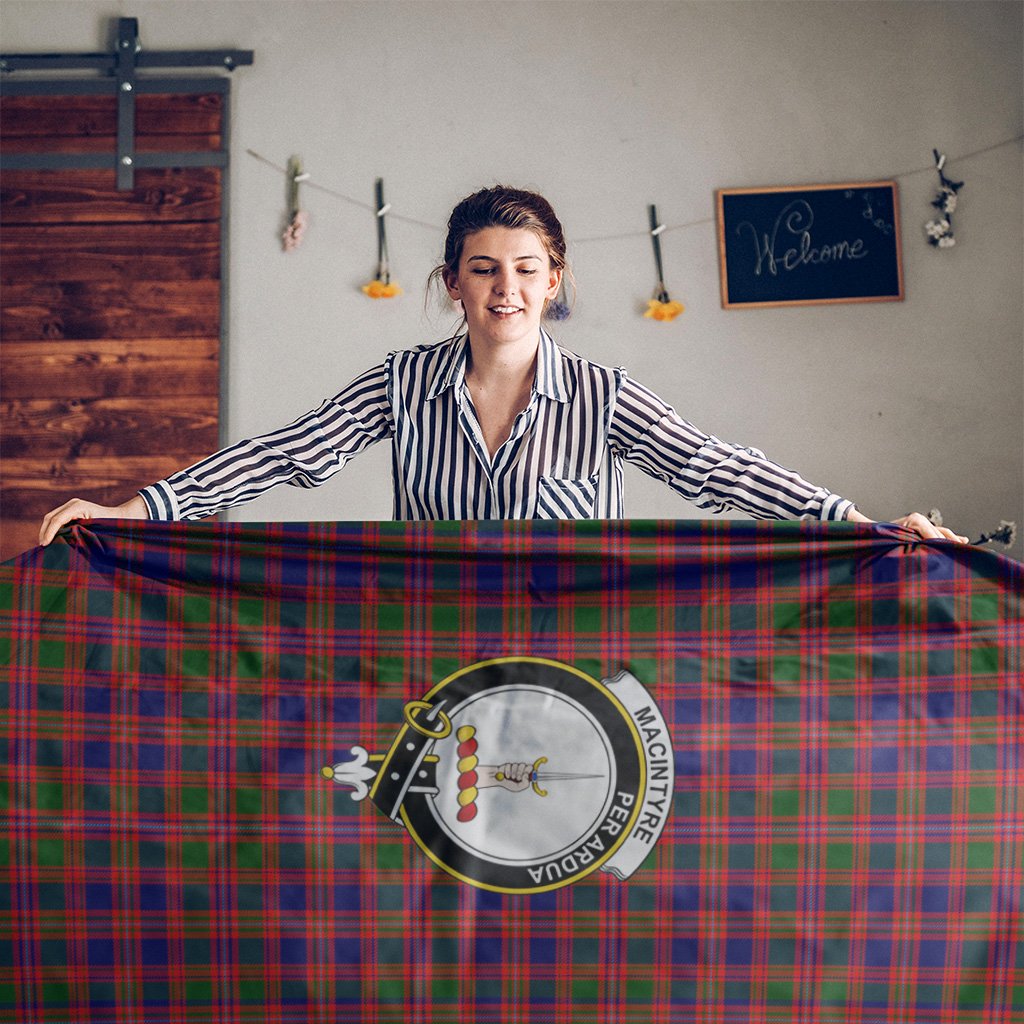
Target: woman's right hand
(77,508)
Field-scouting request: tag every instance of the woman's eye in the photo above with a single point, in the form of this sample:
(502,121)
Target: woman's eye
(488,271)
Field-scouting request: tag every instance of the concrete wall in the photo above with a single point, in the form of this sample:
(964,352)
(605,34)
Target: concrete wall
(606,107)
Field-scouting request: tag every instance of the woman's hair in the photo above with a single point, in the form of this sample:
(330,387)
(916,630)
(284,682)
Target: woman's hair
(501,207)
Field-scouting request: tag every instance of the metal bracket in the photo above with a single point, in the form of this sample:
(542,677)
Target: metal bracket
(123,66)
(128,46)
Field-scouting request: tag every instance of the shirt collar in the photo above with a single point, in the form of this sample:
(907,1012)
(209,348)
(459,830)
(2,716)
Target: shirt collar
(549,381)
(451,370)
(551,375)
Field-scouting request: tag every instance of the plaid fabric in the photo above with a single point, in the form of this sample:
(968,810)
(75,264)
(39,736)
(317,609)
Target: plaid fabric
(846,836)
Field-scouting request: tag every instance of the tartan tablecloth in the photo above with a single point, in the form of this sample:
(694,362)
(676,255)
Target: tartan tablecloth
(511,772)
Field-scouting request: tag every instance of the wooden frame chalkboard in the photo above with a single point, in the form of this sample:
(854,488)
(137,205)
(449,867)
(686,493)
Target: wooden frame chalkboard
(810,245)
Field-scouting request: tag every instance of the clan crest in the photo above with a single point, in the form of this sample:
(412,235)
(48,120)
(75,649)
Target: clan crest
(524,775)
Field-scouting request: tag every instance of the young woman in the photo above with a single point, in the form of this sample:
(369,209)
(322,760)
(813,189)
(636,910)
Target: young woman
(498,421)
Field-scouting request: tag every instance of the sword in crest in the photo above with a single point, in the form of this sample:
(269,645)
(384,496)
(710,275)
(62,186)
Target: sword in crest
(515,776)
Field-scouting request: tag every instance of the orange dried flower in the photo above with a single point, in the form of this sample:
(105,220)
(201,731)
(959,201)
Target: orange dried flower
(380,290)
(665,311)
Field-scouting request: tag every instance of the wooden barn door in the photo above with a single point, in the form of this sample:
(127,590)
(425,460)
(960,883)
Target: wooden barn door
(111,297)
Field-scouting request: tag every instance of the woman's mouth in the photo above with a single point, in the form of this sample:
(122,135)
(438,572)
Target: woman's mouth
(505,311)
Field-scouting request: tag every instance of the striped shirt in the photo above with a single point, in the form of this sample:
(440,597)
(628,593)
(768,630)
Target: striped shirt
(562,460)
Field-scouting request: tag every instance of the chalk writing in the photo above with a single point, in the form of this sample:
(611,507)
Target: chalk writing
(795,222)
(878,222)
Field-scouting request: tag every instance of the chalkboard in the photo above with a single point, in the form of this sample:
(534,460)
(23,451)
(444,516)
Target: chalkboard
(814,244)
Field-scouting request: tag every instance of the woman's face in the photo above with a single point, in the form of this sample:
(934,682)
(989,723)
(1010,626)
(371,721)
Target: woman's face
(504,279)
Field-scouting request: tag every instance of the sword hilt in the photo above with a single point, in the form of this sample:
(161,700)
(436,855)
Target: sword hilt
(534,775)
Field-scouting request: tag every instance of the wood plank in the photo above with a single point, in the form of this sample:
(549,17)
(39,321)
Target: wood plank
(78,116)
(32,486)
(55,197)
(17,536)
(99,252)
(59,429)
(108,144)
(109,369)
(118,309)
(58,115)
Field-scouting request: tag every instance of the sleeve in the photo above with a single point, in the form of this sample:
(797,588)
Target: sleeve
(713,474)
(305,453)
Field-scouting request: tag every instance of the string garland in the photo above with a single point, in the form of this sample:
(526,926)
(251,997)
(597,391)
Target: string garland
(660,308)
(311,183)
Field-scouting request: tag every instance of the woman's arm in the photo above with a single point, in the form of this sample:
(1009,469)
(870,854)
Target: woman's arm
(305,453)
(712,473)
(715,474)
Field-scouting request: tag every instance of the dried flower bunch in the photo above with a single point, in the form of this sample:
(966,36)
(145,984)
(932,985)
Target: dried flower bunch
(940,231)
(559,308)
(1004,533)
(381,287)
(298,218)
(660,307)
(292,237)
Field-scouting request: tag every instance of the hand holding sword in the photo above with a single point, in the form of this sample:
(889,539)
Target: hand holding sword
(517,776)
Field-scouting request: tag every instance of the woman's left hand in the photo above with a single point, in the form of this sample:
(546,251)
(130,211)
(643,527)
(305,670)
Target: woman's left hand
(916,523)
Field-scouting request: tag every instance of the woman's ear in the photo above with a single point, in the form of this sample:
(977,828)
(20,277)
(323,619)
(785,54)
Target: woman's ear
(451,283)
(554,282)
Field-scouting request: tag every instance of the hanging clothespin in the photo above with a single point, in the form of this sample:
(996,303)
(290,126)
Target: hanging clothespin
(940,163)
(383,270)
(661,307)
(296,176)
(381,287)
(660,292)
(297,217)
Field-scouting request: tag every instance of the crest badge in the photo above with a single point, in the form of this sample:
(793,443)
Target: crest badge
(523,775)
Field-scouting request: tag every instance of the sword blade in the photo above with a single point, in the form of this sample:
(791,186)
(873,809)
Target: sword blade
(561,776)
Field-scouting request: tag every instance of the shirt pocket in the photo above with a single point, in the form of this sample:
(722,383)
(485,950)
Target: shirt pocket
(566,498)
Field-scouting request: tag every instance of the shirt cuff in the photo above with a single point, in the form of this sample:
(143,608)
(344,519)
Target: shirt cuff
(160,501)
(836,508)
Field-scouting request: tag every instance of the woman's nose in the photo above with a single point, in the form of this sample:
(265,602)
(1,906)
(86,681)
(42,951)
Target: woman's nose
(504,283)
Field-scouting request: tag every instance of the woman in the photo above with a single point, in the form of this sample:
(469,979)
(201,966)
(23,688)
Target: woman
(498,422)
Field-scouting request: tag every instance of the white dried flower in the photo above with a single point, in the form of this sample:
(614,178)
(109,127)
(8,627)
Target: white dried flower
(1006,534)
(937,228)
(947,242)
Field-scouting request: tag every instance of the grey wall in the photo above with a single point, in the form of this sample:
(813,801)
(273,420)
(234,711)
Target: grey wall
(606,107)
